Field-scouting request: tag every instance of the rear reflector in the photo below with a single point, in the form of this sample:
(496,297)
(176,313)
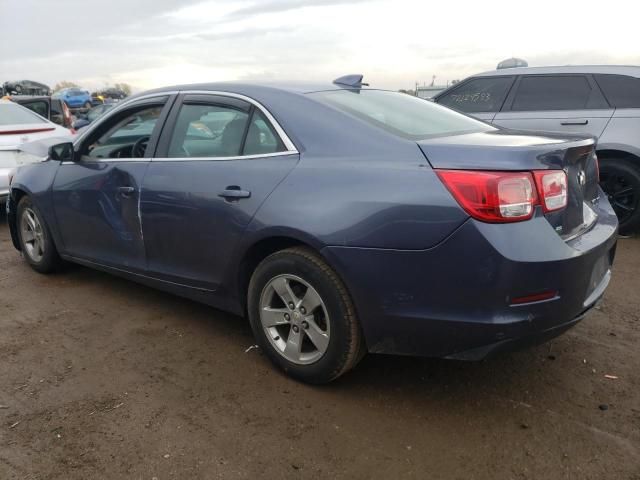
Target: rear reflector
(29,130)
(552,187)
(538,297)
(496,197)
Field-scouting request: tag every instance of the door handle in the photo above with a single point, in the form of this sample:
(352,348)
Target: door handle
(126,191)
(582,122)
(234,192)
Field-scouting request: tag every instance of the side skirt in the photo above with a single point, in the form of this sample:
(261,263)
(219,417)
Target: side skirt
(201,295)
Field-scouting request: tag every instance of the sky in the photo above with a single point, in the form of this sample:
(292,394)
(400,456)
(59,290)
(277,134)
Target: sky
(153,43)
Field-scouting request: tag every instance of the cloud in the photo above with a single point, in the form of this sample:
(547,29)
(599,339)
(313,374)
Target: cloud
(279,6)
(394,44)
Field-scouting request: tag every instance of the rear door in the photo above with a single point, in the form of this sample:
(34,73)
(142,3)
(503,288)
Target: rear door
(218,159)
(556,103)
(481,97)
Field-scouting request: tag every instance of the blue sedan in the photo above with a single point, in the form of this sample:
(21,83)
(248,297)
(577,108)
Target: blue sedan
(339,219)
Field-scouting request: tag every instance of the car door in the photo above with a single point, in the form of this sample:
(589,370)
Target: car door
(96,198)
(556,103)
(481,97)
(218,159)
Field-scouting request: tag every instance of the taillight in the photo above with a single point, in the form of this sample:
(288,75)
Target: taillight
(496,197)
(552,187)
(500,197)
(24,131)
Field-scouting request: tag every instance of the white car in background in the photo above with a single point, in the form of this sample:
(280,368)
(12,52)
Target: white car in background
(20,125)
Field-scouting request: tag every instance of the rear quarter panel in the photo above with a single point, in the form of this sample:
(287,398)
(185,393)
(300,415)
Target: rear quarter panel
(622,132)
(396,203)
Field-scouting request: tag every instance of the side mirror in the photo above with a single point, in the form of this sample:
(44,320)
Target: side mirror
(63,152)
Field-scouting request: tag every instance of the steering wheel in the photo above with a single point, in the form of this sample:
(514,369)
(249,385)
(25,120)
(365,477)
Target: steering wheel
(140,147)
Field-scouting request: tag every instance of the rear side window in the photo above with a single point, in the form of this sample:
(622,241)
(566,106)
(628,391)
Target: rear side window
(40,107)
(621,91)
(561,92)
(12,114)
(478,95)
(208,131)
(261,138)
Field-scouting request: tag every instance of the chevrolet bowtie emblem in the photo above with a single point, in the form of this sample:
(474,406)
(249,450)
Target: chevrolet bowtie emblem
(582,178)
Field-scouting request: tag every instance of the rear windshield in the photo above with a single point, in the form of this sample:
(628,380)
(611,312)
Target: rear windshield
(12,114)
(401,114)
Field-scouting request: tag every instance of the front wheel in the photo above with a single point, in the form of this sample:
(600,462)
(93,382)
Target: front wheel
(302,316)
(620,180)
(35,238)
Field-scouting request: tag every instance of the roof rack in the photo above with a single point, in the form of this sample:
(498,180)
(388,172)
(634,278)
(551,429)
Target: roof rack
(351,81)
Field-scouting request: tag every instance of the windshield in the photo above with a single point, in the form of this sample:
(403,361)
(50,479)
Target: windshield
(12,114)
(401,114)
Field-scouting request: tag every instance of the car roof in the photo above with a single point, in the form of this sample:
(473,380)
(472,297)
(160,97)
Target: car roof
(631,70)
(249,88)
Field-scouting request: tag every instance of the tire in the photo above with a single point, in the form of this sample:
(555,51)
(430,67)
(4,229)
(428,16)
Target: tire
(338,343)
(38,249)
(620,180)
(87,105)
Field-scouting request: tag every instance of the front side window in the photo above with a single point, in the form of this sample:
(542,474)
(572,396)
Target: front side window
(478,95)
(125,136)
(403,115)
(12,114)
(561,92)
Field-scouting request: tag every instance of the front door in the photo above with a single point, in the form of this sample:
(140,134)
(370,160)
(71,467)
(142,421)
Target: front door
(218,160)
(96,198)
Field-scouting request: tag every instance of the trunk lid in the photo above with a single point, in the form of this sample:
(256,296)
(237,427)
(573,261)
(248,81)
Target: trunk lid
(506,150)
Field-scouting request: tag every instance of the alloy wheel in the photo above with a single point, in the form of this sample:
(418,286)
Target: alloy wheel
(32,235)
(620,192)
(295,319)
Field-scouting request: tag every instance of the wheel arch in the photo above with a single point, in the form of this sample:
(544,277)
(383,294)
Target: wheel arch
(14,198)
(260,249)
(618,153)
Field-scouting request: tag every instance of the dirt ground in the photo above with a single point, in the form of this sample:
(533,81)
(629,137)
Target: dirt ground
(104,378)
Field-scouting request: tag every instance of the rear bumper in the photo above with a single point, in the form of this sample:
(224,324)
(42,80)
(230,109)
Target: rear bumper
(455,300)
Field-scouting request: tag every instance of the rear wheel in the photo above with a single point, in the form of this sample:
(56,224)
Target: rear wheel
(620,180)
(302,316)
(35,238)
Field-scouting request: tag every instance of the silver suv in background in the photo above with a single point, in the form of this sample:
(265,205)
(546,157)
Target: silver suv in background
(603,101)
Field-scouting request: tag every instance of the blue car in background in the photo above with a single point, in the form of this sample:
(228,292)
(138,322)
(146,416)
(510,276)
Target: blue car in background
(74,97)
(339,219)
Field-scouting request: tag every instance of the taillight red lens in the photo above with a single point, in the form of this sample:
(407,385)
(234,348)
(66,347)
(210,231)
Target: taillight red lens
(496,197)
(552,187)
